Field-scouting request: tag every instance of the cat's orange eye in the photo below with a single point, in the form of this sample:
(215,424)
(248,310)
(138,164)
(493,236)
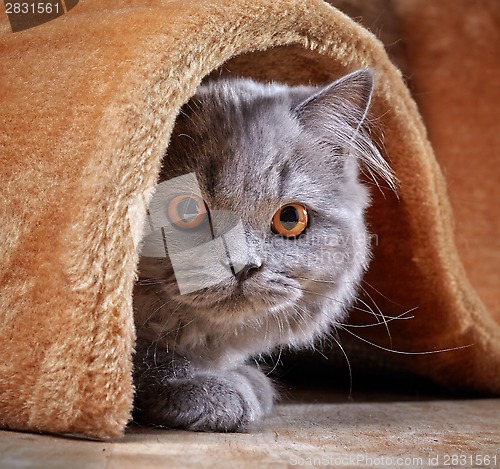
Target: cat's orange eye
(187,212)
(290,220)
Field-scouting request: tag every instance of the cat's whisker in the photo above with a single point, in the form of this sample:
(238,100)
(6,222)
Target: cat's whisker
(402,352)
(370,310)
(280,351)
(280,326)
(151,281)
(187,323)
(165,303)
(379,312)
(348,363)
(301,312)
(386,319)
(310,318)
(152,314)
(315,280)
(376,315)
(186,135)
(165,322)
(379,292)
(400,317)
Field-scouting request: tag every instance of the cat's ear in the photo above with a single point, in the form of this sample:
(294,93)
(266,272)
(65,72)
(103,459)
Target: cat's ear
(337,113)
(347,98)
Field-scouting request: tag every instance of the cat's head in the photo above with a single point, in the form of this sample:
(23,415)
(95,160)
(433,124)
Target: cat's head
(264,206)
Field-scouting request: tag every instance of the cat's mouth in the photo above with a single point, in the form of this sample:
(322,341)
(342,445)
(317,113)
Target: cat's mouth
(241,301)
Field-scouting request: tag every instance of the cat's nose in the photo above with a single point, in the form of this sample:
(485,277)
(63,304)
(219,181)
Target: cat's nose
(247,271)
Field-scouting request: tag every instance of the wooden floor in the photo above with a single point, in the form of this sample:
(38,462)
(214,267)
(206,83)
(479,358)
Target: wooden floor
(365,434)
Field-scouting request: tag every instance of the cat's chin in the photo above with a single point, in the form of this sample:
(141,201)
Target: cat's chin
(242,304)
(241,308)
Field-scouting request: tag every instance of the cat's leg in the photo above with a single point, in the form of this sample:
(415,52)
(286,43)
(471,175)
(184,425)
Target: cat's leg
(170,392)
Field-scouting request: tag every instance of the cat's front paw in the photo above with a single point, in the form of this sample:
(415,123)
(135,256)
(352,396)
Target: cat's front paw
(225,402)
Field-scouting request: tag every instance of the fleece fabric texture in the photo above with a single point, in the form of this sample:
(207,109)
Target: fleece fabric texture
(88,101)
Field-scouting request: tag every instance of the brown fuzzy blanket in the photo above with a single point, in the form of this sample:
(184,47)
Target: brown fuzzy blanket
(87,104)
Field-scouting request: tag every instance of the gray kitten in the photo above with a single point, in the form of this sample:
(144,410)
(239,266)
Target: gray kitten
(284,160)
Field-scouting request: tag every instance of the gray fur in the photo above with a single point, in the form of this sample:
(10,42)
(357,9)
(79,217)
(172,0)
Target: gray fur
(255,147)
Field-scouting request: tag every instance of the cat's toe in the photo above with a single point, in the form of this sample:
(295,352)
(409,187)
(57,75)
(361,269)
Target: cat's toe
(261,387)
(205,406)
(207,403)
